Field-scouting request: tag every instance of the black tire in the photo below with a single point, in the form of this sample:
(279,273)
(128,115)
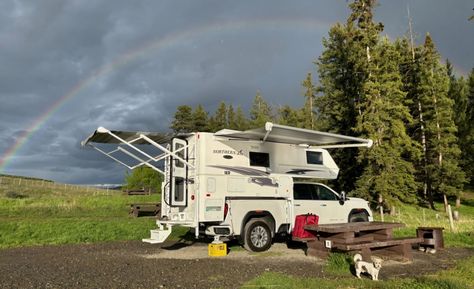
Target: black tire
(358,217)
(258,237)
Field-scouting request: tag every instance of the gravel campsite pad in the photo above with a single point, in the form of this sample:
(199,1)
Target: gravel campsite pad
(134,264)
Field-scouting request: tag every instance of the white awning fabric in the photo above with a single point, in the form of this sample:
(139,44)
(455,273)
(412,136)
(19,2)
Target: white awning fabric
(291,135)
(103,135)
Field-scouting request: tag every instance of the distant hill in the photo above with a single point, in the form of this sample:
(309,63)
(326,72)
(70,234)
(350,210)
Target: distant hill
(25,178)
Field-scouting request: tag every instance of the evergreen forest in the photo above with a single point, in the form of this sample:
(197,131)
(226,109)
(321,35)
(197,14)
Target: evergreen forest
(401,94)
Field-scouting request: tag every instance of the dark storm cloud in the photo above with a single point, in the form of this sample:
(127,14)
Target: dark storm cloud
(54,49)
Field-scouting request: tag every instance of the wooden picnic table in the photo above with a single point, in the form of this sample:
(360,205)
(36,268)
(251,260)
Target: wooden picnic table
(365,237)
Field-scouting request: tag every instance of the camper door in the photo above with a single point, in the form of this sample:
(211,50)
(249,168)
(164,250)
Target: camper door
(179,174)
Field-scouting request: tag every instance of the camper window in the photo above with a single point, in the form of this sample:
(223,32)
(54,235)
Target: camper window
(179,163)
(259,159)
(179,189)
(314,158)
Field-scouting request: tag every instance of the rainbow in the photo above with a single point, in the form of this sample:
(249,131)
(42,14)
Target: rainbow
(144,49)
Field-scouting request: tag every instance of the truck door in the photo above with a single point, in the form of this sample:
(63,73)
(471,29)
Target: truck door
(179,174)
(316,199)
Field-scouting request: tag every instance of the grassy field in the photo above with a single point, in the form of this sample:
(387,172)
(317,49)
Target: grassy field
(461,277)
(338,275)
(35,213)
(413,217)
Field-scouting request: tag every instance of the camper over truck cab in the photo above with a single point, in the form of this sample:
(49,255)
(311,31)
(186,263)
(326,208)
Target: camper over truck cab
(248,185)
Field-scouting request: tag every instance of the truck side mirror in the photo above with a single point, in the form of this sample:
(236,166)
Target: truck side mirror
(342,198)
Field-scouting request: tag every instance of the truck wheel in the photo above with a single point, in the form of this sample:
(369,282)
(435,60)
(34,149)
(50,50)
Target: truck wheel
(258,237)
(359,217)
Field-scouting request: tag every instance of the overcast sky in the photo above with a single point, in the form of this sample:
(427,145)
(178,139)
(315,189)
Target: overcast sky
(67,67)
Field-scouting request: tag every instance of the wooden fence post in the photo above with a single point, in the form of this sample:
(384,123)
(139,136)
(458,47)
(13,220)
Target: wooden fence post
(450,215)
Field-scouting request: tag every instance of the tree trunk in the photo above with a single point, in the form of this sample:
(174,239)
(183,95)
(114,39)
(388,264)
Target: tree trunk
(445,201)
(430,195)
(423,145)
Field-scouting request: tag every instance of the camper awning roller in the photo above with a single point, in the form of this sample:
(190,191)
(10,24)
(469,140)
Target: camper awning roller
(291,135)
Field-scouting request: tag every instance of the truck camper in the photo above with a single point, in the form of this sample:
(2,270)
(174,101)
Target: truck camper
(248,185)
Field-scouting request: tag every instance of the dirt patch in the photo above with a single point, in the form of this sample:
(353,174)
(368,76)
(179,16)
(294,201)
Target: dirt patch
(184,265)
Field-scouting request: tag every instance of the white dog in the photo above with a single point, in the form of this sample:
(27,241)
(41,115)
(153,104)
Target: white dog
(366,267)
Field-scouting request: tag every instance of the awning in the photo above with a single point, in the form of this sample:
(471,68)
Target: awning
(125,147)
(291,135)
(103,135)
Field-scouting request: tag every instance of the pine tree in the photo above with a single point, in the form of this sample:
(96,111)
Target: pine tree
(458,89)
(231,117)
(288,116)
(200,119)
(468,135)
(343,71)
(387,172)
(445,178)
(308,116)
(260,112)
(459,93)
(409,67)
(241,121)
(219,119)
(183,119)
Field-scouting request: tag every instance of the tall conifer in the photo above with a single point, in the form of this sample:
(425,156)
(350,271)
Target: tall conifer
(260,112)
(308,115)
(200,119)
(387,172)
(445,178)
(183,119)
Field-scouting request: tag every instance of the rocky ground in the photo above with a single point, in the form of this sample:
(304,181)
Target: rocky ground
(134,264)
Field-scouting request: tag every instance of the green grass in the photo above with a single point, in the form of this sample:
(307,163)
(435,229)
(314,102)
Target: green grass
(337,267)
(338,263)
(460,277)
(34,214)
(414,216)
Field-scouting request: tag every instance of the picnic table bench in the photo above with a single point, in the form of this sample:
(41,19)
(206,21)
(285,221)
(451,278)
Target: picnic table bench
(366,237)
(147,209)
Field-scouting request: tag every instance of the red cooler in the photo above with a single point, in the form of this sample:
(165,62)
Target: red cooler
(300,222)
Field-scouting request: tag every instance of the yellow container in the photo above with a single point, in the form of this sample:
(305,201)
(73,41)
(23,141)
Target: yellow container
(217,250)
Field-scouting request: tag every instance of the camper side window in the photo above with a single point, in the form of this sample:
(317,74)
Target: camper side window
(179,189)
(180,154)
(314,158)
(259,159)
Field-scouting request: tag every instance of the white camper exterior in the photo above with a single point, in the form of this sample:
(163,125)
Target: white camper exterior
(248,185)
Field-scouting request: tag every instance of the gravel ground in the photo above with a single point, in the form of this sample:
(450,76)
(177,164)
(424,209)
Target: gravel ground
(134,264)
